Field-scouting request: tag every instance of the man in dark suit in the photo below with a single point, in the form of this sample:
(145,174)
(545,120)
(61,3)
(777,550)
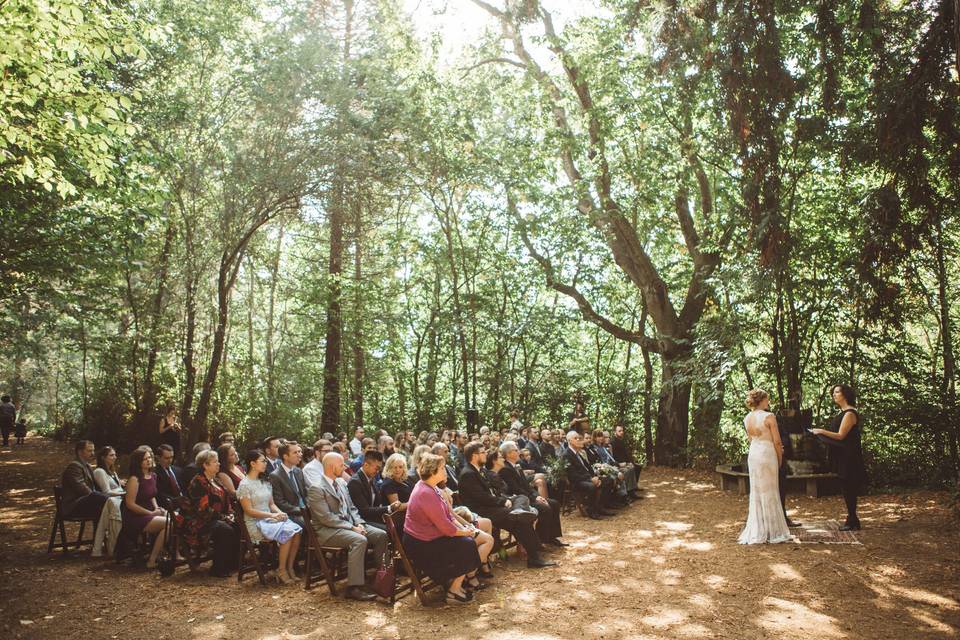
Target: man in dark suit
(271,449)
(442,450)
(535,446)
(547,449)
(80,496)
(548,522)
(168,483)
(476,494)
(191,470)
(581,476)
(289,487)
(365,491)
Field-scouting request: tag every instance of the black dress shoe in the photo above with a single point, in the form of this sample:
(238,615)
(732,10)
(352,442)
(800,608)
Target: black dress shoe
(792,524)
(850,527)
(558,543)
(593,515)
(357,593)
(540,563)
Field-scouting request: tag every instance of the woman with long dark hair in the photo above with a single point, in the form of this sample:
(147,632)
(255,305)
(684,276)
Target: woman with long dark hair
(844,435)
(141,511)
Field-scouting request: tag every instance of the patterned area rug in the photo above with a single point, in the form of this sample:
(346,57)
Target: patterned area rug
(826,532)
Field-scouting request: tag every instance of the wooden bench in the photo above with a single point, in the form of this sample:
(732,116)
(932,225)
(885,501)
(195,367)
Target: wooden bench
(814,485)
(59,518)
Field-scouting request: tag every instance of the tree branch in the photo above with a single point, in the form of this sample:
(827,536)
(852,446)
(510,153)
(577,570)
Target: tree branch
(586,309)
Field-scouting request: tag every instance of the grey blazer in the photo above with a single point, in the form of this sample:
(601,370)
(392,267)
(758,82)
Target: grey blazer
(328,513)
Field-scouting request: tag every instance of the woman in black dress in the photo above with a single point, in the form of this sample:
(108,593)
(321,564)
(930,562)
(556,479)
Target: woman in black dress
(844,435)
(170,430)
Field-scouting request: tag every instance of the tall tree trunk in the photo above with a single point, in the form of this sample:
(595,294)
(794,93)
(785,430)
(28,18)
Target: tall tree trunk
(948,388)
(647,393)
(673,413)
(330,416)
(269,349)
(149,403)
(358,355)
(189,368)
(251,302)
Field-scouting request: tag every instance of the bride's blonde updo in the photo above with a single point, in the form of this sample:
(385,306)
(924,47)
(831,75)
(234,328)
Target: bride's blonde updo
(755,397)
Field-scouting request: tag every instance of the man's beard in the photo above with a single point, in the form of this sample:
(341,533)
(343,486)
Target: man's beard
(387,453)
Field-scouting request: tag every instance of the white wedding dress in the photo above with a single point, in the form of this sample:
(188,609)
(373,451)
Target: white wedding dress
(765,521)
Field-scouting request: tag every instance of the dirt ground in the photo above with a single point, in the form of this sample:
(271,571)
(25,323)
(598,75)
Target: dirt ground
(668,567)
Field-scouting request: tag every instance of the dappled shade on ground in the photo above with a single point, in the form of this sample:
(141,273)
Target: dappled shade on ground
(668,567)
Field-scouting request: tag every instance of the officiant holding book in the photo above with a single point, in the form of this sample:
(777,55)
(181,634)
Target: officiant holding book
(844,436)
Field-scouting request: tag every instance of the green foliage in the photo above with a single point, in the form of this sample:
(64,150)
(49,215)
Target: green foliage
(168,165)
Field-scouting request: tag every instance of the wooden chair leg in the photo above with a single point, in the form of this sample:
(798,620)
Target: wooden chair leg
(83,525)
(53,533)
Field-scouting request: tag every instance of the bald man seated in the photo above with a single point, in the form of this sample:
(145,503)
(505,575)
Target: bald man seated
(338,524)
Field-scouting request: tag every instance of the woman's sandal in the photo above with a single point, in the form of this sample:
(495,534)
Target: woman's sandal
(464,599)
(474,584)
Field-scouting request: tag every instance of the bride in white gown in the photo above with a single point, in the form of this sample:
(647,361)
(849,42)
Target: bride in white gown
(765,521)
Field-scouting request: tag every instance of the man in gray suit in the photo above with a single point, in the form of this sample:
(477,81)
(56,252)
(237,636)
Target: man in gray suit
(289,486)
(80,496)
(338,524)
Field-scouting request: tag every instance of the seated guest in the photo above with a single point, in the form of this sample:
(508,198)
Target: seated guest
(270,446)
(456,450)
(108,482)
(341,448)
(548,451)
(582,478)
(81,499)
(368,445)
(230,475)
(442,450)
(190,470)
(168,486)
(597,454)
(141,513)
(623,452)
(627,471)
(385,446)
(397,485)
(209,519)
(105,475)
(338,524)
(366,495)
(436,542)
(418,452)
(548,520)
(356,445)
(227,438)
(263,518)
(477,494)
(314,469)
(534,445)
(289,487)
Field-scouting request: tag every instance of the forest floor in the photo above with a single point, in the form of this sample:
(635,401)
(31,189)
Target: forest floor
(667,567)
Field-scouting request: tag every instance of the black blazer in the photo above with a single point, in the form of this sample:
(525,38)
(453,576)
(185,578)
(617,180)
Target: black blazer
(592,455)
(452,483)
(577,469)
(476,493)
(516,481)
(536,454)
(167,489)
(621,452)
(187,474)
(548,451)
(360,494)
(284,495)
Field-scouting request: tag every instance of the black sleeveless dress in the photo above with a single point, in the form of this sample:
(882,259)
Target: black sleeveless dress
(848,452)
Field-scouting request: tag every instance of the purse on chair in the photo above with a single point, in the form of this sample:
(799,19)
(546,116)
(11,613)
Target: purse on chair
(385,582)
